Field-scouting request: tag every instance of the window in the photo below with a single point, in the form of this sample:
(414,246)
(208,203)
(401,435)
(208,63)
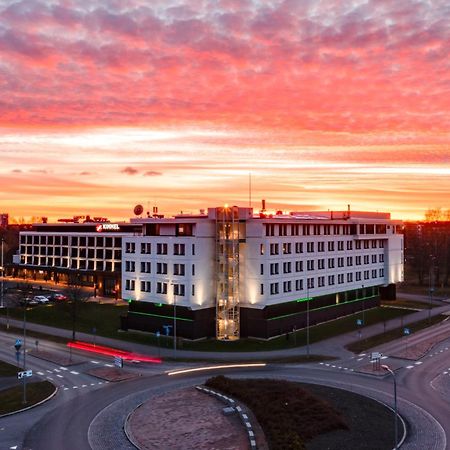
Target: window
(349,261)
(294,230)
(130,247)
(299,266)
(366,274)
(380,244)
(316,230)
(331,263)
(310,283)
(374,243)
(298,285)
(321,281)
(161,288)
(178,269)
(286,286)
(274,249)
(274,269)
(366,244)
(349,278)
(178,289)
(381,272)
(381,257)
(146,248)
(374,273)
(321,264)
(161,268)
(326,230)
(261,289)
(193,269)
(287,267)
(178,249)
(261,269)
(374,259)
(270,229)
(331,246)
(331,280)
(358,276)
(340,245)
(358,245)
(161,249)
(341,262)
(129,285)
(341,278)
(286,248)
(310,264)
(283,230)
(273,288)
(366,259)
(146,267)
(358,260)
(306,230)
(193,249)
(349,245)
(321,246)
(129,266)
(310,247)
(299,247)
(146,286)
(193,290)
(261,249)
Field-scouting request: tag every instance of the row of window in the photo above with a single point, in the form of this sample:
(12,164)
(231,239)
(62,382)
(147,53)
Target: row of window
(311,264)
(161,268)
(81,264)
(287,248)
(161,287)
(321,281)
(75,252)
(273,229)
(161,248)
(74,241)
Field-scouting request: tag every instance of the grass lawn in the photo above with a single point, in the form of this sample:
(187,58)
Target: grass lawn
(296,416)
(106,319)
(8,370)
(11,399)
(415,288)
(365,344)
(404,303)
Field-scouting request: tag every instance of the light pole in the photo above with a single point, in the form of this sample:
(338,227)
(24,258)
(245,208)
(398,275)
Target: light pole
(174,321)
(24,401)
(388,369)
(431,288)
(307,319)
(3,274)
(363,307)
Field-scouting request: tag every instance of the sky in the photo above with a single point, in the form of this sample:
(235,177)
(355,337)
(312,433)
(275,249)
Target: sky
(111,103)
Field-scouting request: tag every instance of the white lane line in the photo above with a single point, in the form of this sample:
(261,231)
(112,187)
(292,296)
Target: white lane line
(321,363)
(49,371)
(66,389)
(409,367)
(334,366)
(49,378)
(339,367)
(445,373)
(384,357)
(56,370)
(418,363)
(100,382)
(92,384)
(327,365)
(40,373)
(359,359)
(74,372)
(109,365)
(74,387)
(64,368)
(59,376)
(362,354)
(345,368)
(84,385)
(95,362)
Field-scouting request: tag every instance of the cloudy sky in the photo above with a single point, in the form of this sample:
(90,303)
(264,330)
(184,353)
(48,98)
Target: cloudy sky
(106,104)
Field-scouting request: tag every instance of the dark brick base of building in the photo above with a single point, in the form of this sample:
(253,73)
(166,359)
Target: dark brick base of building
(260,323)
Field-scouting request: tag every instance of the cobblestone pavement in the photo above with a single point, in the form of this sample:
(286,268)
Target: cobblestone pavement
(186,419)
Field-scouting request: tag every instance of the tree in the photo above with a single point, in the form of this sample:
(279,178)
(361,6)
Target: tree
(76,293)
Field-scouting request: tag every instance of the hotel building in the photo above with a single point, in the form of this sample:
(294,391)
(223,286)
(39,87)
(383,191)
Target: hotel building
(229,272)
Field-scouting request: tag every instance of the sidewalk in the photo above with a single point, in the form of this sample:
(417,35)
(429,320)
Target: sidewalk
(331,347)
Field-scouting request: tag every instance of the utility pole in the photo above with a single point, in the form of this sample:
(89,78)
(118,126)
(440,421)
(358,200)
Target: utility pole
(388,369)
(307,319)
(24,400)
(431,288)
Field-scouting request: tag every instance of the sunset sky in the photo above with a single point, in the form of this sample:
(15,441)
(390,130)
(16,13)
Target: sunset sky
(106,104)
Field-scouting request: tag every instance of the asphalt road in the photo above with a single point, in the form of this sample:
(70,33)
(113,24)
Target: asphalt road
(88,413)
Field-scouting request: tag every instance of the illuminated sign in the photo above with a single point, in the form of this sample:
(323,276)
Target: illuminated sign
(107,227)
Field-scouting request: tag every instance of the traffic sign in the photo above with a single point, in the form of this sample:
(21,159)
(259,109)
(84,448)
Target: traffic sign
(359,322)
(406,331)
(118,361)
(375,355)
(24,374)
(158,334)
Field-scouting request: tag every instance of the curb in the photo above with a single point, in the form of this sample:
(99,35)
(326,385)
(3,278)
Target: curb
(232,403)
(32,406)
(126,430)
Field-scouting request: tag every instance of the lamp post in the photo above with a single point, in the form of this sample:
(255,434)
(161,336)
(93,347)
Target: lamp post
(174,321)
(388,369)
(3,274)
(363,307)
(307,319)
(431,287)
(24,400)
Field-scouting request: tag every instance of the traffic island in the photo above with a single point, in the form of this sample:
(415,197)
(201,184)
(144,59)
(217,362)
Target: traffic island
(112,374)
(11,399)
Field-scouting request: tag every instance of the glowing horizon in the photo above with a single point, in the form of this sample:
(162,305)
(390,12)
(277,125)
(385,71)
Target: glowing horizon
(114,103)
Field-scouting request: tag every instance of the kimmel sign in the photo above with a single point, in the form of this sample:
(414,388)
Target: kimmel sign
(107,227)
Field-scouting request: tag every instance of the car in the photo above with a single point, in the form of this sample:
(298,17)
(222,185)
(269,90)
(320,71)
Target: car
(58,297)
(41,299)
(28,301)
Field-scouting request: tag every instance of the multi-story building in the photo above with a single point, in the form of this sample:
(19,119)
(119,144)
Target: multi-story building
(91,250)
(231,273)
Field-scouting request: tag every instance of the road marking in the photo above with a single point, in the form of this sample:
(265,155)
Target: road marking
(40,373)
(92,384)
(327,365)
(84,385)
(345,368)
(64,368)
(418,363)
(333,366)
(445,373)
(321,363)
(56,370)
(95,362)
(100,382)
(362,354)
(49,371)
(49,378)
(59,376)
(75,373)
(339,367)
(74,387)
(409,367)
(384,357)
(66,389)
(109,365)
(359,359)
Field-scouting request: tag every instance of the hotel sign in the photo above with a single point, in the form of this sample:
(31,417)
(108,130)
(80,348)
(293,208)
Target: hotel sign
(107,227)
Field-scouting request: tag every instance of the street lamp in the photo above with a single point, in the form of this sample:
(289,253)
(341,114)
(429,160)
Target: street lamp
(431,287)
(307,319)
(174,321)
(388,369)
(3,274)
(363,307)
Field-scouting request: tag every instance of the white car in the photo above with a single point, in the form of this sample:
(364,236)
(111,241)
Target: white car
(41,299)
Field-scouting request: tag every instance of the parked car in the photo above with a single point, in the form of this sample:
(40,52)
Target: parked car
(58,297)
(28,301)
(41,299)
